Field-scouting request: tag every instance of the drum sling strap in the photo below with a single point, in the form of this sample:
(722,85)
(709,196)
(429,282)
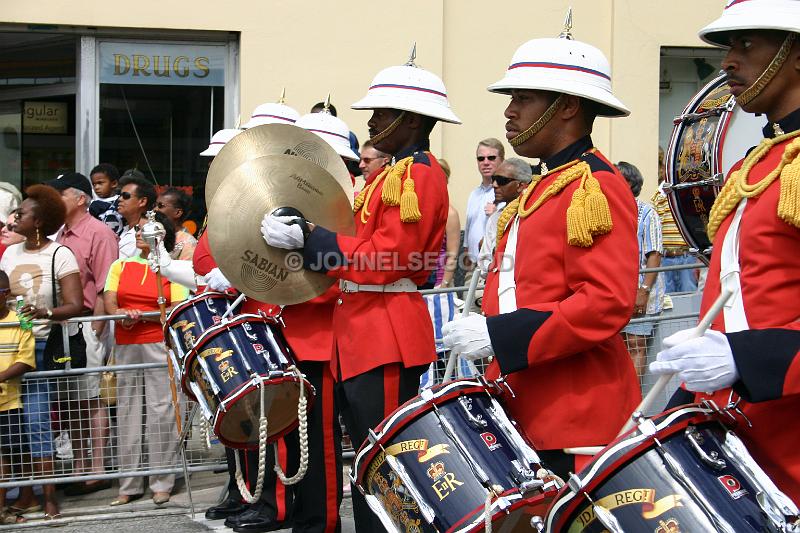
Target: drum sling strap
(507,285)
(730,274)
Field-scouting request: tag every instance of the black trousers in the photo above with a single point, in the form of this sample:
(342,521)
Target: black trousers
(365,401)
(316,498)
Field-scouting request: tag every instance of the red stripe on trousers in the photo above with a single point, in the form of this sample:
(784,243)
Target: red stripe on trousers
(328,436)
(391,388)
(280,490)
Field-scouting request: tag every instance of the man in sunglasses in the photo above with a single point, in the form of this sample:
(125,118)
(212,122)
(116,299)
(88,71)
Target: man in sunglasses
(509,180)
(481,204)
(137,196)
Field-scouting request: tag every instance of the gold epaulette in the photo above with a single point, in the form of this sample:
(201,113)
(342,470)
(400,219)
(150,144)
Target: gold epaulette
(588,214)
(736,187)
(396,192)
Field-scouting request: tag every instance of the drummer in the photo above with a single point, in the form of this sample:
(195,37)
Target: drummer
(751,354)
(382,334)
(563,281)
(274,506)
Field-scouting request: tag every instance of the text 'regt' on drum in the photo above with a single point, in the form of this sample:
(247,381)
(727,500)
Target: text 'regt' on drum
(709,137)
(226,370)
(441,459)
(681,471)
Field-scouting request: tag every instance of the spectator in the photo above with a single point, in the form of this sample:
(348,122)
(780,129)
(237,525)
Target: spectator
(448,256)
(131,289)
(136,197)
(16,358)
(95,248)
(105,182)
(512,177)
(10,198)
(29,266)
(7,236)
(480,206)
(650,293)
(175,205)
(676,252)
(372,159)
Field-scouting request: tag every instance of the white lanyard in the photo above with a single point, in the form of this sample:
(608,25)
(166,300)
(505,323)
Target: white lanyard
(507,285)
(730,274)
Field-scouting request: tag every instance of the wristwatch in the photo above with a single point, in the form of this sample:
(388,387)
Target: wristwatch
(645,288)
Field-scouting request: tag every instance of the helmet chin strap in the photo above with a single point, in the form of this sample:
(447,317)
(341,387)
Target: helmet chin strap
(388,130)
(537,126)
(769,73)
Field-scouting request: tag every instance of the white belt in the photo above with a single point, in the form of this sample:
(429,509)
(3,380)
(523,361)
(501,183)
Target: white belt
(401,285)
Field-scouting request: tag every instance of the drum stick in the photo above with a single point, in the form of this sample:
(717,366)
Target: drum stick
(473,287)
(236,302)
(663,380)
(162,306)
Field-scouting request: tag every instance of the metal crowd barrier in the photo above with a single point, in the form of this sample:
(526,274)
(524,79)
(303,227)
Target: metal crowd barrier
(202,452)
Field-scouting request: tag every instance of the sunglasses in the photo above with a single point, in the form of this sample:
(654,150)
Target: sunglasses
(125,195)
(160,205)
(137,228)
(480,158)
(502,180)
(5,291)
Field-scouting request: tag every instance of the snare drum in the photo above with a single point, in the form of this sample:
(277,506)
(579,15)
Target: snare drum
(711,135)
(224,372)
(683,470)
(431,464)
(189,319)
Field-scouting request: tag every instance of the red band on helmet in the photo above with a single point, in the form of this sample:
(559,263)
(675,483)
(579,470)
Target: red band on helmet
(560,66)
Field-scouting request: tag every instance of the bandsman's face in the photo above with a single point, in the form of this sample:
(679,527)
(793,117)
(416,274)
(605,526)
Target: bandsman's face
(525,108)
(380,120)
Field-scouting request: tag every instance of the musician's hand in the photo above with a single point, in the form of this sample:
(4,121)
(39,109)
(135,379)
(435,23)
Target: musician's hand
(283,231)
(469,337)
(163,258)
(216,280)
(704,364)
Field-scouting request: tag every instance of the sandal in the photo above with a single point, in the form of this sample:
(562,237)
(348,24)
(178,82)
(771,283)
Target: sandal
(7,517)
(35,508)
(124,499)
(48,516)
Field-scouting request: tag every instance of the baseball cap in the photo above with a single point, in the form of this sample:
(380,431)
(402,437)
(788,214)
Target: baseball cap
(71,180)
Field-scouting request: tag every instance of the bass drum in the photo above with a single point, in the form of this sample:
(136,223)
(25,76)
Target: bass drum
(709,137)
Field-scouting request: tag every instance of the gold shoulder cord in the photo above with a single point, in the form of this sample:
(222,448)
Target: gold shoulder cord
(396,192)
(737,187)
(588,213)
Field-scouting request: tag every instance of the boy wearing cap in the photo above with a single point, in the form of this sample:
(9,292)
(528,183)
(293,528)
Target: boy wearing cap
(382,333)
(750,357)
(563,280)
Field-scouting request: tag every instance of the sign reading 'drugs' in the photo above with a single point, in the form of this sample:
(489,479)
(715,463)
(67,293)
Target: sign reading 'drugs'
(162,64)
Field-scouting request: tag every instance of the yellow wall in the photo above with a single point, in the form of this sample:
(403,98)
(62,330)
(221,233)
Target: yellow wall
(316,46)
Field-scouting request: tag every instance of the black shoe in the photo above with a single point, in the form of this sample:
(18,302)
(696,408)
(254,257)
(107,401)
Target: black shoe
(256,520)
(225,509)
(250,512)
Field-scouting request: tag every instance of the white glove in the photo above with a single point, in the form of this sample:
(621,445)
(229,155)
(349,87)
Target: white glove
(180,272)
(704,364)
(277,231)
(468,337)
(216,280)
(164,258)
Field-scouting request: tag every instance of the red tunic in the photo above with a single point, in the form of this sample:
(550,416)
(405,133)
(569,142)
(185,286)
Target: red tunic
(574,381)
(371,329)
(767,354)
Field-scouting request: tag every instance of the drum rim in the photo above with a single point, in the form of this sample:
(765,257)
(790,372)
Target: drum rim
(413,408)
(236,395)
(521,500)
(600,468)
(182,306)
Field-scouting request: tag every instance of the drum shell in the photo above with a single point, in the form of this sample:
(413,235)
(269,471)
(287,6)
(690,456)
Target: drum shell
(630,479)
(232,355)
(187,321)
(440,473)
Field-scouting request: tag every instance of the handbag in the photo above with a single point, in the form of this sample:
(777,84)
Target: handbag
(54,357)
(108,385)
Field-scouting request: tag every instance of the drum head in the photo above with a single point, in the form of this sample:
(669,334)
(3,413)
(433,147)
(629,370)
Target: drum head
(709,138)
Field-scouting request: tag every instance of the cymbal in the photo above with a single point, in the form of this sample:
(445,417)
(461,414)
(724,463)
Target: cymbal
(260,186)
(274,139)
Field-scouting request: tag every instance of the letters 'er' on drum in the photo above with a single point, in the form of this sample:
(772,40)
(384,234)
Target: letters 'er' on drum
(431,464)
(709,137)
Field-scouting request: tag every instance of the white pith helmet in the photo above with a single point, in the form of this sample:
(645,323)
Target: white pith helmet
(409,88)
(218,140)
(563,65)
(783,15)
(331,129)
(272,113)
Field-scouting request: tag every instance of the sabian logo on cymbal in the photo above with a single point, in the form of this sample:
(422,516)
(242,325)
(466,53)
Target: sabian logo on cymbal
(260,273)
(305,185)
